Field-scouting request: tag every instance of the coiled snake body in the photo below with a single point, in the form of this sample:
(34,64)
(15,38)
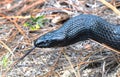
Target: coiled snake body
(79,28)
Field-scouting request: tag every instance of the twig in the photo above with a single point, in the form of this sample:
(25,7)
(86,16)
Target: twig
(6,47)
(110,6)
(16,62)
(16,25)
(25,8)
(104,45)
(21,17)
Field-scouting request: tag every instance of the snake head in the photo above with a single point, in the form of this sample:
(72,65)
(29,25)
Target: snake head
(51,39)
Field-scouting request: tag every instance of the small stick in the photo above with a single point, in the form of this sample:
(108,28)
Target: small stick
(104,45)
(16,62)
(110,6)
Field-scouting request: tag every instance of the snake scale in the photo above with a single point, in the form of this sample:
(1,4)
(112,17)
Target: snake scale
(79,28)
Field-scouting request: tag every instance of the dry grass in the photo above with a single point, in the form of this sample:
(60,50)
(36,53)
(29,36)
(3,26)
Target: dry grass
(84,59)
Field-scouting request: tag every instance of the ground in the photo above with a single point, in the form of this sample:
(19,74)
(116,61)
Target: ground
(83,59)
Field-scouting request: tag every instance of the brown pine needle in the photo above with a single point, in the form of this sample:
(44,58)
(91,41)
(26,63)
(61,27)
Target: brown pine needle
(110,6)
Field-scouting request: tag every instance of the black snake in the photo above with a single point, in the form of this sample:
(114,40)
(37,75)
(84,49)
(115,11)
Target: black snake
(79,28)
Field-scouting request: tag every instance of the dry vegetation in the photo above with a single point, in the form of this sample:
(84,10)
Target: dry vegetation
(84,59)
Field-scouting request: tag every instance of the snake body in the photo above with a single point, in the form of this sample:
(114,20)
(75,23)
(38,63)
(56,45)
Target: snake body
(79,28)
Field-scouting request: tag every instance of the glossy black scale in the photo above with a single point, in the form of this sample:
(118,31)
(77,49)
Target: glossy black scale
(81,28)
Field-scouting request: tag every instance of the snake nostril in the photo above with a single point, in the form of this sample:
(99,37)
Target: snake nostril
(81,28)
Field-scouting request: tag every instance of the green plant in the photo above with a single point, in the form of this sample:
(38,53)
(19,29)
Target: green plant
(5,60)
(36,23)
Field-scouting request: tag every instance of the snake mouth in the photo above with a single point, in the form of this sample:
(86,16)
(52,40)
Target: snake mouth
(82,28)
